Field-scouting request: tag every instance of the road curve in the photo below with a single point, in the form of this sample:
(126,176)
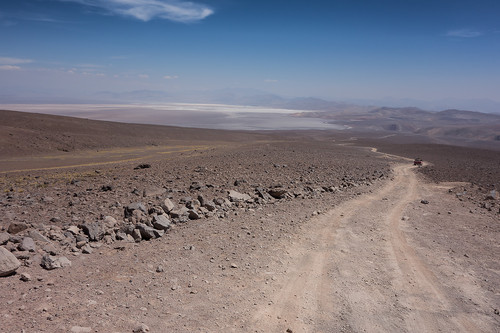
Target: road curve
(354,271)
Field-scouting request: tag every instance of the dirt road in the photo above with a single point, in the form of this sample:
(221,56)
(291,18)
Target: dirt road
(355,270)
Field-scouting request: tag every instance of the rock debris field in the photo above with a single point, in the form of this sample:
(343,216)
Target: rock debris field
(204,240)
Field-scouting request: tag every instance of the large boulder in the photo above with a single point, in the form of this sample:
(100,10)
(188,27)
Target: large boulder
(8,262)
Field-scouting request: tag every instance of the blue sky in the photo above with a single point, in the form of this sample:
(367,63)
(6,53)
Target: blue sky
(338,50)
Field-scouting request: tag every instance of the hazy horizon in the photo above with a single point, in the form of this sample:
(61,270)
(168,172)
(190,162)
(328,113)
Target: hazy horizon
(426,51)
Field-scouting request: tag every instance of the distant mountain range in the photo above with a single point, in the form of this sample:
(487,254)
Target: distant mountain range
(248,97)
(254,97)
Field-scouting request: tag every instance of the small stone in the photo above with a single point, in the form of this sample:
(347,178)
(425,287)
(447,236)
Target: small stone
(4,238)
(142,328)
(25,277)
(278,193)
(27,244)
(425,202)
(38,236)
(51,262)
(136,235)
(234,266)
(143,166)
(236,196)
(167,205)
(193,215)
(147,232)
(161,222)
(86,249)
(16,227)
(159,269)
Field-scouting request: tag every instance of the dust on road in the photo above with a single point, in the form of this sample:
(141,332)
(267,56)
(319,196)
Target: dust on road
(355,271)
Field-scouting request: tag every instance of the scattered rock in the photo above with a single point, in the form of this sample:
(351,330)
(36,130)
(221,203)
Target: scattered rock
(148,233)
(106,188)
(110,222)
(4,238)
(161,222)
(193,214)
(86,249)
(27,244)
(493,195)
(50,249)
(142,328)
(136,234)
(237,196)
(25,277)
(143,166)
(278,193)
(38,236)
(50,262)
(179,212)
(16,227)
(425,202)
(74,230)
(120,235)
(167,205)
(8,262)
(93,231)
(129,209)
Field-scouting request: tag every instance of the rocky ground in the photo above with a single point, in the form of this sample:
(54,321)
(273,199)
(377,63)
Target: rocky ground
(217,236)
(224,207)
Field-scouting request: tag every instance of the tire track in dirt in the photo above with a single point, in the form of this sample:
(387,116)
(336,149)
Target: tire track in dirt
(352,270)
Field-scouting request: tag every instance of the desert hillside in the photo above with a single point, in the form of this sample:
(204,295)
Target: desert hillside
(109,227)
(452,127)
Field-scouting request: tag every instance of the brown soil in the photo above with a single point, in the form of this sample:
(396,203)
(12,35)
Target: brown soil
(368,256)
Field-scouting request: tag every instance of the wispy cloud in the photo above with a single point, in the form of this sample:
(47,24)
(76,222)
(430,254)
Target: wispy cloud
(464,33)
(14,61)
(170,77)
(145,10)
(9,68)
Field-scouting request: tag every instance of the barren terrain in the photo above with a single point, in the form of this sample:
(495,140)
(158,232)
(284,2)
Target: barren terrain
(268,233)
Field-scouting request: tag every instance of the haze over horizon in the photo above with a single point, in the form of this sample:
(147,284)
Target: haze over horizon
(420,53)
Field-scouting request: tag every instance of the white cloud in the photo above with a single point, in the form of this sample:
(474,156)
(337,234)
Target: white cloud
(9,68)
(144,76)
(464,33)
(14,61)
(170,77)
(145,10)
